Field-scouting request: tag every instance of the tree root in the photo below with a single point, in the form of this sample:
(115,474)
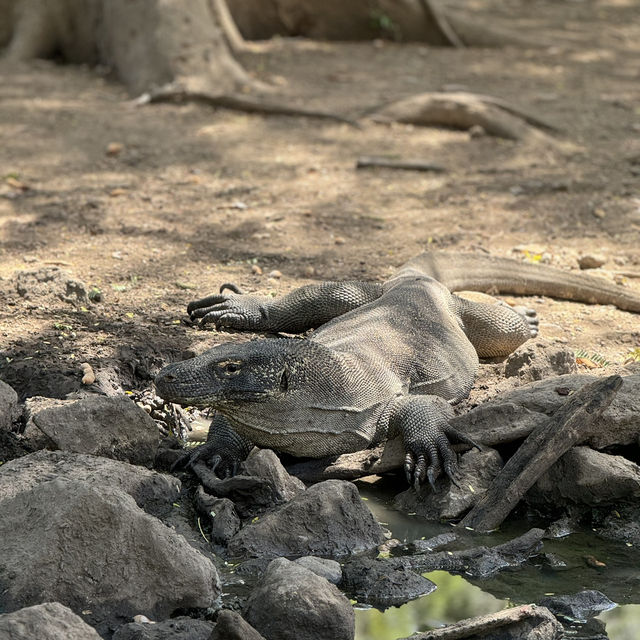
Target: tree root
(460,110)
(174,92)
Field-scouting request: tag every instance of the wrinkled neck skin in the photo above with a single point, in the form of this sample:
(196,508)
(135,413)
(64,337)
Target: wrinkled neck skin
(333,403)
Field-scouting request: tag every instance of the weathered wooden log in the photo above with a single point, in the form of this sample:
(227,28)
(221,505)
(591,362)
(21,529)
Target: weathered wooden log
(570,425)
(538,622)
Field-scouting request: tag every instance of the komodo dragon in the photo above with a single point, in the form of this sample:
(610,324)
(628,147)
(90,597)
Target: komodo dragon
(387,359)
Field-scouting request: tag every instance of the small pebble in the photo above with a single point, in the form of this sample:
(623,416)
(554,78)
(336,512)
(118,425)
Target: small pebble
(114,148)
(140,619)
(256,270)
(275,274)
(89,377)
(477,131)
(591,261)
(339,240)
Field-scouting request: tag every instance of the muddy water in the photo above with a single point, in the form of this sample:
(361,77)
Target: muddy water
(458,597)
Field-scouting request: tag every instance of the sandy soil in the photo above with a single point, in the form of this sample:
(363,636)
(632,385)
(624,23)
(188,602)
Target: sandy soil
(196,196)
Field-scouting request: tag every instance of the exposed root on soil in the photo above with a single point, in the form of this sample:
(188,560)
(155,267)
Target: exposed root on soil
(174,92)
(460,110)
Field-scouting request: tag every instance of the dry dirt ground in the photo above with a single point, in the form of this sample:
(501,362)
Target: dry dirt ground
(188,197)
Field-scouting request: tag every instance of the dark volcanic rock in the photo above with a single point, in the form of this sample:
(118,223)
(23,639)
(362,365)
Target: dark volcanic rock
(448,502)
(175,629)
(153,492)
(48,621)
(95,550)
(264,463)
(328,519)
(221,515)
(262,483)
(381,584)
(293,603)
(8,406)
(513,415)
(328,569)
(579,606)
(588,477)
(111,427)
(232,626)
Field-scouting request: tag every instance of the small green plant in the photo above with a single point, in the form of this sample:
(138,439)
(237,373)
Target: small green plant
(383,24)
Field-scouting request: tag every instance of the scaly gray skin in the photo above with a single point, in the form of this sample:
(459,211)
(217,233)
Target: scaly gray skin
(387,359)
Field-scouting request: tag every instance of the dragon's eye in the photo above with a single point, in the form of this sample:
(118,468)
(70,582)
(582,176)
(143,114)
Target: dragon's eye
(232,367)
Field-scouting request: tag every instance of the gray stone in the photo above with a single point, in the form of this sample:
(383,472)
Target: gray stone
(8,406)
(448,502)
(382,584)
(578,607)
(261,484)
(51,282)
(220,514)
(328,519)
(94,550)
(48,621)
(264,463)
(111,427)
(513,415)
(181,628)
(328,569)
(587,477)
(154,492)
(539,360)
(293,603)
(232,626)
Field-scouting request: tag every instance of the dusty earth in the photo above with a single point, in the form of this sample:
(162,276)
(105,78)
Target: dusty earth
(157,205)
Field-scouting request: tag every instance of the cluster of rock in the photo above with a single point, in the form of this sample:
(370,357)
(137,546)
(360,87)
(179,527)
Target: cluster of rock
(94,543)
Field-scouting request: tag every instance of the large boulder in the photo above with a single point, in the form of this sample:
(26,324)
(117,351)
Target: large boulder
(588,477)
(514,415)
(153,492)
(95,551)
(293,603)
(328,519)
(48,621)
(113,427)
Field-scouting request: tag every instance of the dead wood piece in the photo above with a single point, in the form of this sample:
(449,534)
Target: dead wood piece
(462,110)
(539,618)
(173,92)
(480,562)
(570,425)
(366,162)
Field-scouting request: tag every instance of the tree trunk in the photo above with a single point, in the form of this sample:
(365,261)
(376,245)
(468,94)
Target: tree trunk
(147,43)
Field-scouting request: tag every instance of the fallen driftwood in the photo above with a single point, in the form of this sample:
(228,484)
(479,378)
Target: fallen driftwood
(367,162)
(570,425)
(525,621)
(461,110)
